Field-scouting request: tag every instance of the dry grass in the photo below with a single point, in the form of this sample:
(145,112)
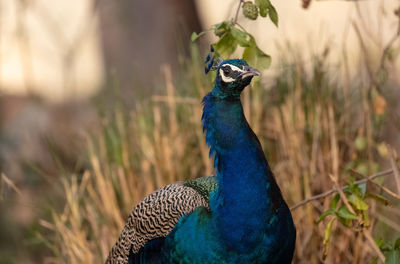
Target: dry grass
(307,122)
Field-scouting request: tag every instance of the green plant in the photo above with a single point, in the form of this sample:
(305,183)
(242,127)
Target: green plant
(231,34)
(391,250)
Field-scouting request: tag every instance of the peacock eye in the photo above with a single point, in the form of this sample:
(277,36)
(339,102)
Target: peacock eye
(227,71)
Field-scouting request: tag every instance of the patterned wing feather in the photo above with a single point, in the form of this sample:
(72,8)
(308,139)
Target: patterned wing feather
(153,217)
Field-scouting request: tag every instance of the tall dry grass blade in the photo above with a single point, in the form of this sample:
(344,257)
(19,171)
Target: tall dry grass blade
(396,173)
(334,146)
(125,187)
(10,183)
(389,222)
(170,99)
(122,130)
(106,194)
(158,164)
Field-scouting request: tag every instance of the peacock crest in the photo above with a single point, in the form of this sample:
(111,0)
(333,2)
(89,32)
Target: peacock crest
(212,61)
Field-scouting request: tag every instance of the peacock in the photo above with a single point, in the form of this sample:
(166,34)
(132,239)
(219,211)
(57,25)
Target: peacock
(235,216)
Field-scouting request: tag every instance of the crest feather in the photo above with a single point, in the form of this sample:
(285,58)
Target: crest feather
(212,61)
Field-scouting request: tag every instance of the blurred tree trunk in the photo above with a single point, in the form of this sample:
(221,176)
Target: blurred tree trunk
(139,36)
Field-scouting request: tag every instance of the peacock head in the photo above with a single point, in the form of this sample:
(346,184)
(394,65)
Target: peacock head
(232,77)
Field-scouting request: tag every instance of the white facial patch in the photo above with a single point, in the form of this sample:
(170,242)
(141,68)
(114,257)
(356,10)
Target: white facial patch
(228,79)
(233,67)
(224,78)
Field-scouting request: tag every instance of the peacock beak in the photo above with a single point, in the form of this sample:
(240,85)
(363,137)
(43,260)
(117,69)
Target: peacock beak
(249,71)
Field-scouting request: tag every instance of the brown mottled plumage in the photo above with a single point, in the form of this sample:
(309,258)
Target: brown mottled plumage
(154,217)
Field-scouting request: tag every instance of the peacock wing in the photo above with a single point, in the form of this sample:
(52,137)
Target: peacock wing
(157,214)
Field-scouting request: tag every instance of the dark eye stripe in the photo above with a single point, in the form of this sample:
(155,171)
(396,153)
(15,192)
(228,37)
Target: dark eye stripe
(235,74)
(229,73)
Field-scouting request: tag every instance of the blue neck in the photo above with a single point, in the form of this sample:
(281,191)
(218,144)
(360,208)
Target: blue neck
(247,195)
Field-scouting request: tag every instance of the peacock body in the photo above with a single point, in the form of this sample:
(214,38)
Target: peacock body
(237,216)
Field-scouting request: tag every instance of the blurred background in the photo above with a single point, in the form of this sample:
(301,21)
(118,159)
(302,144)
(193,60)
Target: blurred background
(97,96)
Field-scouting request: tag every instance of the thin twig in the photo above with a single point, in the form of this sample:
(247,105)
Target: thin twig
(237,12)
(332,191)
(387,190)
(357,173)
(11,184)
(241,27)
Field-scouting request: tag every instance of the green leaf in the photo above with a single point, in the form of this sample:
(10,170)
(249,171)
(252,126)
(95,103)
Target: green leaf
(240,36)
(362,187)
(357,189)
(358,202)
(256,57)
(328,231)
(379,242)
(273,15)
(351,188)
(343,212)
(327,235)
(263,6)
(250,55)
(195,36)
(325,214)
(334,201)
(397,243)
(221,28)
(378,198)
(366,220)
(263,60)
(226,45)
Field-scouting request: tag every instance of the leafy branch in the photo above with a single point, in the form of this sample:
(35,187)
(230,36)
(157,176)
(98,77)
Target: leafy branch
(334,190)
(231,34)
(355,209)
